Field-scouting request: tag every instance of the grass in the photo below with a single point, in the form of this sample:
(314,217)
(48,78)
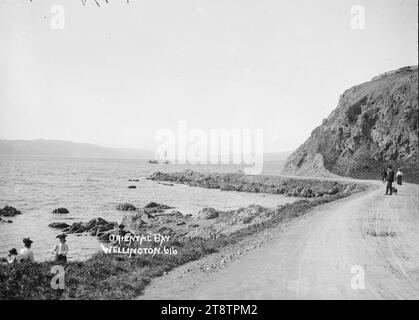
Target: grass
(116,276)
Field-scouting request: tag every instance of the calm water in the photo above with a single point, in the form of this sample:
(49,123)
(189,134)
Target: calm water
(92,188)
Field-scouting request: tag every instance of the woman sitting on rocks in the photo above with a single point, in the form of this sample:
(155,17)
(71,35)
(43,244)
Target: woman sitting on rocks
(26,254)
(12,257)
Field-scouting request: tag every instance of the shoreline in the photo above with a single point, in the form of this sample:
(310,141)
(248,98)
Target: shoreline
(115,276)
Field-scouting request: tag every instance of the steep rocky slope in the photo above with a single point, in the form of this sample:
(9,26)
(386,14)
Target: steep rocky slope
(374,124)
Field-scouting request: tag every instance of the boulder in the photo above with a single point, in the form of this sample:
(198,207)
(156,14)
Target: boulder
(60,211)
(132,187)
(208,213)
(77,227)
(5,221)
(204,232)
(104,236)
(97,226)
(247,214)
(151,205)
(175,213)
(157,205)
(59,225)
(247,219)
(138,221)
(332,191)
(153,208)
(306,192)
(9,211)
(126,207)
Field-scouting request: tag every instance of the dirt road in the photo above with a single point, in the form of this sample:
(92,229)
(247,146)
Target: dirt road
(362,247)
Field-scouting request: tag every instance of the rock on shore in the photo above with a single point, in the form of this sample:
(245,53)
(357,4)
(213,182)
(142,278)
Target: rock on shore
(156,207)
(9,211)
(59,225)
(60,211)
(96,227)
(153,217)
(126,207)
(5,221)
(208,213)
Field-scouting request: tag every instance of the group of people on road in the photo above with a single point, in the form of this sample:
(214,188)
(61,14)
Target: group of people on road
(388,176)
(60,250)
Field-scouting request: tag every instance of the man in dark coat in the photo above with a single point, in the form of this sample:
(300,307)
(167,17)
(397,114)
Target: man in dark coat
(389,179)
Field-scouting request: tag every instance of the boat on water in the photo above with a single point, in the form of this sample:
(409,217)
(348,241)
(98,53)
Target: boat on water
(164,160)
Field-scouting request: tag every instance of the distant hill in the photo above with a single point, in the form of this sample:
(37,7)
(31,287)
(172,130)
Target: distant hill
(374,124)
(276,156)
(59,148)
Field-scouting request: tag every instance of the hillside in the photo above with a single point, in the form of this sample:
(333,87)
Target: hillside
(374,124)
(59,148)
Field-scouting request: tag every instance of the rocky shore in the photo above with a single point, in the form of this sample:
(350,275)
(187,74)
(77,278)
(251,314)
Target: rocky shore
(210,223)
(103,229)
(258,184)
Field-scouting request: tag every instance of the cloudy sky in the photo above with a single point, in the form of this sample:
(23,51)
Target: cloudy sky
(116,74)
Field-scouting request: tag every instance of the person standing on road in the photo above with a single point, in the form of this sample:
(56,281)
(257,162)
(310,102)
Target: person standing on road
(399,176)
(389,179)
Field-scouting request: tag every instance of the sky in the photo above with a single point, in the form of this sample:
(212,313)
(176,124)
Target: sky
(115,75)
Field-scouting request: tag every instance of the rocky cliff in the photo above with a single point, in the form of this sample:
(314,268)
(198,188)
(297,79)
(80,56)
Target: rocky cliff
(374,124)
